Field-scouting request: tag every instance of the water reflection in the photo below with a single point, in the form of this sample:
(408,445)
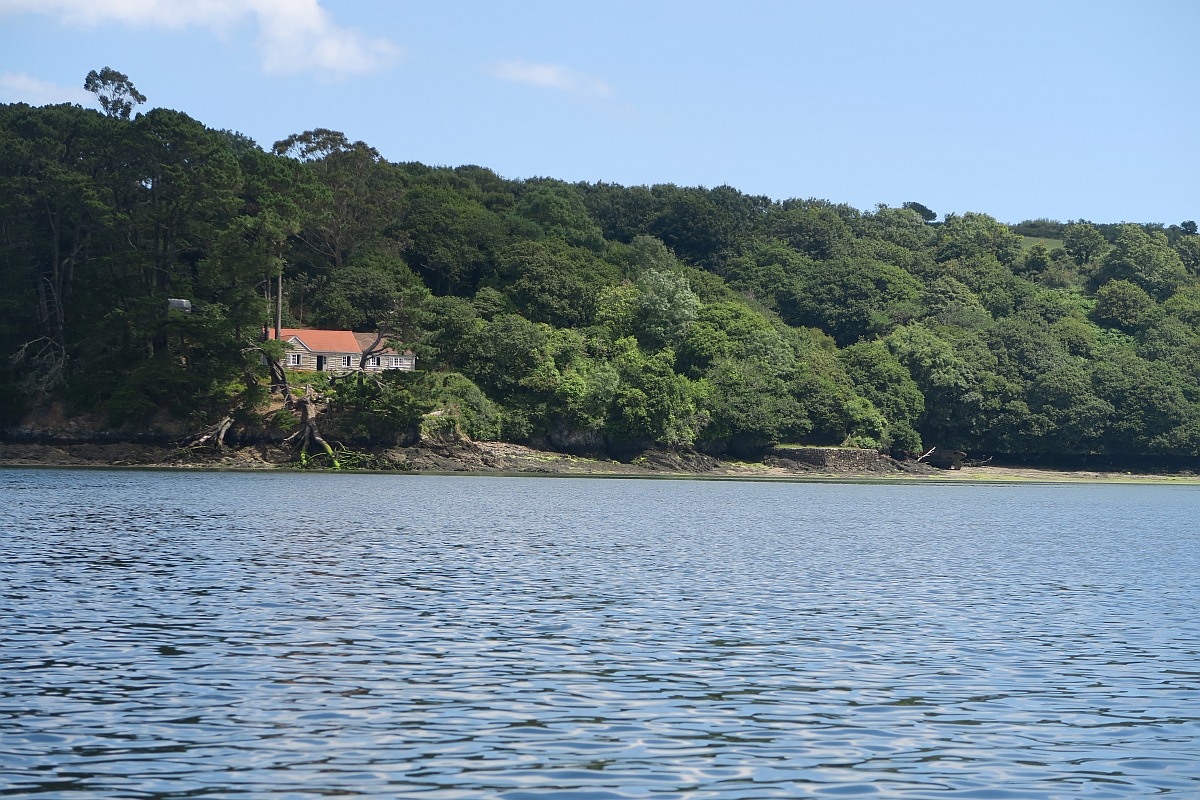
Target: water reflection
(181,635)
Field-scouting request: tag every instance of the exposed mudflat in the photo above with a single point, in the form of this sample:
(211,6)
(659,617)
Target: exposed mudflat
(506,458)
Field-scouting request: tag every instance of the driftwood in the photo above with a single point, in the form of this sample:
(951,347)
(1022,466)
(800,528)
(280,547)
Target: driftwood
(943,458)
(213,434)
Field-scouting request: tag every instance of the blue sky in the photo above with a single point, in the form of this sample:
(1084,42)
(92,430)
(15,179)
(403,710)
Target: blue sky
(1065,109)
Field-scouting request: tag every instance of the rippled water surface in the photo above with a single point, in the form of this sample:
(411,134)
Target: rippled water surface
(172,635)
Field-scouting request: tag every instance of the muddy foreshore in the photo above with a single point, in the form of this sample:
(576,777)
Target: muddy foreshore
(499,458)
(426,456)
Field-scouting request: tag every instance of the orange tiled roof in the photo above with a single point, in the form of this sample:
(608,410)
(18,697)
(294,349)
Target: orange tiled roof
(321,341)
(365,340)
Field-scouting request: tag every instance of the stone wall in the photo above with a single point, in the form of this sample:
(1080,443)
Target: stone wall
(833,459)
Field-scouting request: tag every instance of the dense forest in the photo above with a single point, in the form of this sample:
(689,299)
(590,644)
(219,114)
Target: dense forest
(586,317)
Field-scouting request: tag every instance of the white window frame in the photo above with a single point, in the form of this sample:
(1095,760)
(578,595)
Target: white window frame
(293,359)
(372,361)
(347,361)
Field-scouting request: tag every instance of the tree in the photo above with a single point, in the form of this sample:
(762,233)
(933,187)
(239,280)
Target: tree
(881,378)
(897,226)
(815,230)
(454,237)
(359,200)
(1123,305)
(1037,260)
(666,308)
(731,330)
(927,214)
(54,211)
(114,90)
(749,406)
(559,212)
(1189,253)
(1070,416)
(1083,242)
(851,298)
(652,404)
(972,235)
(1146,259)
(549,281)
(372,294)
(950,384)
(701,225)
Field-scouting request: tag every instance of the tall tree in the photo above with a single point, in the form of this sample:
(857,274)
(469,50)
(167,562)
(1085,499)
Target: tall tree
(115,92)
(361,200)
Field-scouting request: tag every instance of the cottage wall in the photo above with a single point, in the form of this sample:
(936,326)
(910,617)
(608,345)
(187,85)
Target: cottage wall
(334,362)
(308,361)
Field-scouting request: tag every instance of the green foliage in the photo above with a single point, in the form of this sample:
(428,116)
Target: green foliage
(971,235)
(456,408)
(731,330)
(652,404)
(1184,305)
(887,384)
(559,212)
(509,357)
(115,92)
(384,408)
(1039,228)
(1123,305)
(948,301)
(1144,258)
(851,298)
(666,306)
(551,282)
(585,315)
(750,406)
(927,214)
(1083,242)
(1188,249)
(813,230)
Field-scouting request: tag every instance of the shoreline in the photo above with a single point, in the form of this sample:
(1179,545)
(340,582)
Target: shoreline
(500,459)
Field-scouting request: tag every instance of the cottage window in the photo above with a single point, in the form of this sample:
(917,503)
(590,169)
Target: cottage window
(293,359)
(394,361)
(346,361)
(373,361)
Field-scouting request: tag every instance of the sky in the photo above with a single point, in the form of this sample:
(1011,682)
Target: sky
(1026,109)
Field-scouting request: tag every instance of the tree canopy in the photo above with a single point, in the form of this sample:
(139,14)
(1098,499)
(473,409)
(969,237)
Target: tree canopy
(585,316)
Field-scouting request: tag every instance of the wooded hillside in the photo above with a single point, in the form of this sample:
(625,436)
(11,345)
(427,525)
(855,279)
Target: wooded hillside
(585,316)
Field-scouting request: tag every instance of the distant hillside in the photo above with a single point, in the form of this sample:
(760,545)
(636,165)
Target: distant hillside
(587,317)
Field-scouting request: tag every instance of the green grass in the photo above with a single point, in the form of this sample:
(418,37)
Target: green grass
(1029,241)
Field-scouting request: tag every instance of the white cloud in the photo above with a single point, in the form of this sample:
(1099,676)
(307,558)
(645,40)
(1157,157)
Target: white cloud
(294,35)
(17,87)
(298,35)
(550,76)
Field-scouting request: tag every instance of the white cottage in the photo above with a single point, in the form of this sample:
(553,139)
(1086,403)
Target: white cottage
(339,351)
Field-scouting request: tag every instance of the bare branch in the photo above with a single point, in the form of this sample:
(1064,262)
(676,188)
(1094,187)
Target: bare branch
(47,361)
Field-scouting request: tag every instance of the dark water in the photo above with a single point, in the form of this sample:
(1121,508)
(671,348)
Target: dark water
(172,635)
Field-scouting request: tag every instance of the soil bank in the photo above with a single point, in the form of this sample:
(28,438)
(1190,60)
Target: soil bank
(513,459)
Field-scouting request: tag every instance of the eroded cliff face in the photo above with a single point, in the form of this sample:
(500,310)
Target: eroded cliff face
(49,422)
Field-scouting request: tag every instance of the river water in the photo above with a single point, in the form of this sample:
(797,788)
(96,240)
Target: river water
(213,635)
